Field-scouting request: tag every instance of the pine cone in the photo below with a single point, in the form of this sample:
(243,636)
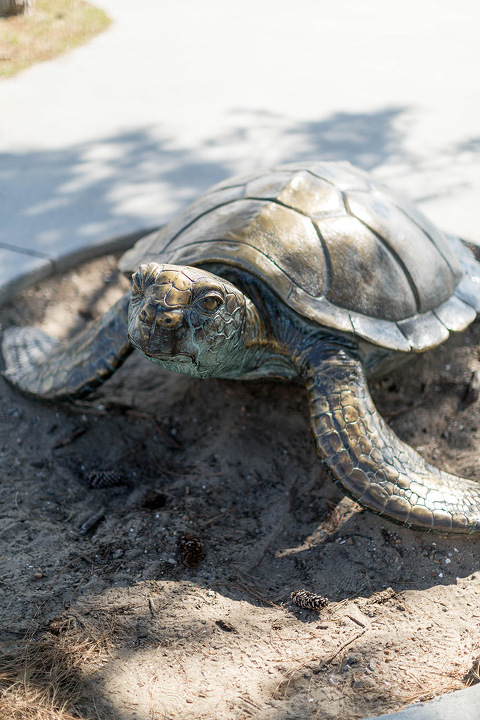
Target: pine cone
(308,600)
(104,478)
(192,549)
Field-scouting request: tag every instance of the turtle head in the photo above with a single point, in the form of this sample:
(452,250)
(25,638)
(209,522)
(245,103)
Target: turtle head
(187,320)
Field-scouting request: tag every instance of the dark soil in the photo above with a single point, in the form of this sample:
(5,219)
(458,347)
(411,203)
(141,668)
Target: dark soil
(166,594)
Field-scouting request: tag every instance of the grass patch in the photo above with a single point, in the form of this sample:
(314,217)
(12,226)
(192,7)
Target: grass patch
(52,27)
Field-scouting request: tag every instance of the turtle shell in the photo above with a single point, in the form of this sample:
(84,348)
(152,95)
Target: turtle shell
(336,246)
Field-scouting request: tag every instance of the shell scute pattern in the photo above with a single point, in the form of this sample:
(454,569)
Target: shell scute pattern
(313,196)
(424,330)
(289,240)
(384,290)
(469,292)
(306,229)
(267,187)
(449,311)
(341,174)
(436,236)
(435,278)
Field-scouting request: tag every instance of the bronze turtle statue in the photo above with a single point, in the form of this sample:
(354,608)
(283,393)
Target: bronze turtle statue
(311,271)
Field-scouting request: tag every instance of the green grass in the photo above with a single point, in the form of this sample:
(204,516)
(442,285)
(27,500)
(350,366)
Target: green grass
(53,27)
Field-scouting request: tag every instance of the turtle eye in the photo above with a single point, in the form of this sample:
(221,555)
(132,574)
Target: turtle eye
(210,304)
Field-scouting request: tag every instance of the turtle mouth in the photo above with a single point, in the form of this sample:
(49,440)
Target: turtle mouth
(167,355)
(164,357)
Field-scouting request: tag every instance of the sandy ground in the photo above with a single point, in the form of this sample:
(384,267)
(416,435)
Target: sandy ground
(103,615)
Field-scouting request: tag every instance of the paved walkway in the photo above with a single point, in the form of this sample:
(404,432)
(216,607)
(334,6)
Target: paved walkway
(460,705)
(120,134)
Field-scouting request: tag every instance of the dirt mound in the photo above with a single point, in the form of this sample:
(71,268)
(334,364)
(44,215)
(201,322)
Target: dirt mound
(151,537)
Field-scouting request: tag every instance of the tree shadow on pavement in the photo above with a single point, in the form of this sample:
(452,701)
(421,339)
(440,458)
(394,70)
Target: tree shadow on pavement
(57,200)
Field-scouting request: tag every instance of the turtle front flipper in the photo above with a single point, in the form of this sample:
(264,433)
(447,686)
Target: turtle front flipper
(368,461)
(43,367)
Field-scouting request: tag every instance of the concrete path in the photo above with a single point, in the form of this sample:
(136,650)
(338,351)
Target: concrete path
(461,705)
(120,134)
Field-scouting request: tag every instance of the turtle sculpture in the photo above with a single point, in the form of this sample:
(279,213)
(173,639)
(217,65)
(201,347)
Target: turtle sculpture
(312,271)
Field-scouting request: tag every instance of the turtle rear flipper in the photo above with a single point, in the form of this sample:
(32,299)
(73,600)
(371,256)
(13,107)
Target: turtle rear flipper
(43,367)
(369,462)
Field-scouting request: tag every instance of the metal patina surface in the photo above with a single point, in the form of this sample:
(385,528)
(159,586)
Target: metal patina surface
(313,271)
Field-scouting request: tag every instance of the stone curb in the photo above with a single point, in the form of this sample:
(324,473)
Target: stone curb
(459,705)
(19,269)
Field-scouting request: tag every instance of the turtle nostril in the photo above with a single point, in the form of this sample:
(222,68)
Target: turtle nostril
(146,316)
(169,319)
(147,313)
(153,315)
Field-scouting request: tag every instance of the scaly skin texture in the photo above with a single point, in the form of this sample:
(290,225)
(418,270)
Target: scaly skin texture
(368,461)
